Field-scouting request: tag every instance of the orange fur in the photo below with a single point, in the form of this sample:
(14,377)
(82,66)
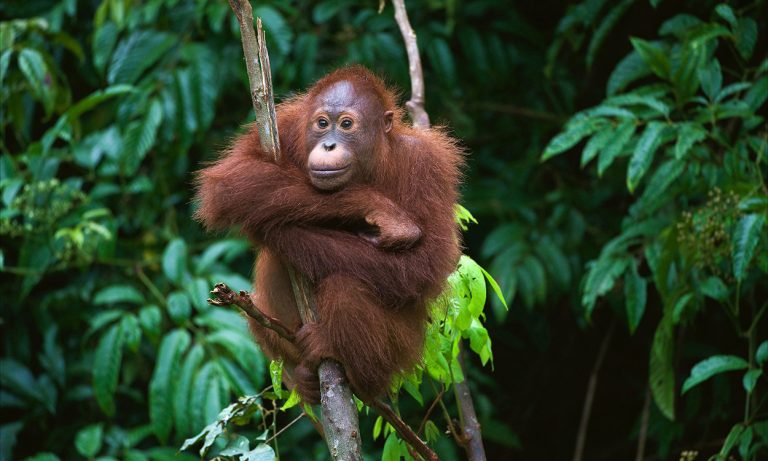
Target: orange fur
(372,302)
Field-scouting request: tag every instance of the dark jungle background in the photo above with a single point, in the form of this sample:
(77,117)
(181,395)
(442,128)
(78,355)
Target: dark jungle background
(617,167)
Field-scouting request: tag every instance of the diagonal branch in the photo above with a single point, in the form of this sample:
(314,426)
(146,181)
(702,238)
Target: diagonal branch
(224,296)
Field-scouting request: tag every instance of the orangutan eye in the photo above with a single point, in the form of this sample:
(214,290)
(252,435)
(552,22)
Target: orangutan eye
(322,123)
(346,123)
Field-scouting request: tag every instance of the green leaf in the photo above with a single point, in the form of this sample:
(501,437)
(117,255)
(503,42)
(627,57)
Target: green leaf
(131,331)
(136,54)
(104,39)
(118,294)
(642,157)
(750,379)
(181,398)
(712,366)
(711,79)
(635,292)
(725,12)
(495,287)
(150,319)
(746,236)
(714,288)
(680,305)
(629,69)
(88,440)
(140,137)
(595,144)
(731,440)
(762,353)
(35,70)
(601,278)
(179,308)
(576,129)
(164,381)
(106,368)
(662,373)
(621,135)
(756,96)
(688,134)
(175,260)
(391,448)
(745,36)
(654,55)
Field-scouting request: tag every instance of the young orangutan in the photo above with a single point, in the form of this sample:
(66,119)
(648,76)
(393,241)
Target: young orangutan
(363,206)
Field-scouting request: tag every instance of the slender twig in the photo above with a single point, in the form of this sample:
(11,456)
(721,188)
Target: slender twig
(643,436)
(470,427)
(224,296)
(430,410)
(295,420)
(415,105)
(581,438)
(403,430)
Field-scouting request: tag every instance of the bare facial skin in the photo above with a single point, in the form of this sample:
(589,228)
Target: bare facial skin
(342,130)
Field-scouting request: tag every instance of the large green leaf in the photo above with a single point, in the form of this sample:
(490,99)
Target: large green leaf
(106,368)
(746,236)
(712,366)
(181,398)
(137,53)
(661,377)
(163,385)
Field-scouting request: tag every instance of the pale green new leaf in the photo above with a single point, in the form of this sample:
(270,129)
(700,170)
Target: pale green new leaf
(712,366)
(746,236)
(642,157)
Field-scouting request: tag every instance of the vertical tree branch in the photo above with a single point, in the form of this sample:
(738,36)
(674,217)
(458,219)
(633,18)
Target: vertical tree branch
(581,438)
(471,433)
(340,421)
(415,105)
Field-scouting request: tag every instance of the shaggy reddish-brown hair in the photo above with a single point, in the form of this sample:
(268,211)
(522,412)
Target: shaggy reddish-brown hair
(372,301)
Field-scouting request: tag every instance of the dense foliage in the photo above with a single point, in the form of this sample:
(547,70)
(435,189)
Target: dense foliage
(108,107)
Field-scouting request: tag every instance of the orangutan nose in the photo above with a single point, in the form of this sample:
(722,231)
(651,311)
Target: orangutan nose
(329,146)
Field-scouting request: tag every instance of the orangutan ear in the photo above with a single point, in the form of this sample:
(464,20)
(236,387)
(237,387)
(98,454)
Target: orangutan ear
(389,117)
